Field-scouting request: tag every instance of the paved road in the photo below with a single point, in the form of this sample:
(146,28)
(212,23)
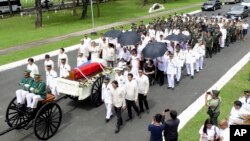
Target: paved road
(81,121)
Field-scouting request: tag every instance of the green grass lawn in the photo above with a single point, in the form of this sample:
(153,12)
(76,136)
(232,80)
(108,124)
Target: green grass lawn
(19,30)
(18,55)
(229,93)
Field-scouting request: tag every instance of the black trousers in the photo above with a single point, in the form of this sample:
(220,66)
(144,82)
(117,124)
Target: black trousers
(143,100)
(214,118)
(131,104)
(209,52)
(118,111)
(160,76)
(216,47)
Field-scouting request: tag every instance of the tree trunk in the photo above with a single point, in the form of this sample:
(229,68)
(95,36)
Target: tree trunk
(98,8)
(84,8)
(74,8)
(145,2)
(10,7)
(38,7)
(77,2)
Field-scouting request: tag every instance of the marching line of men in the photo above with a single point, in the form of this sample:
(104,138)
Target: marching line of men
(124,92)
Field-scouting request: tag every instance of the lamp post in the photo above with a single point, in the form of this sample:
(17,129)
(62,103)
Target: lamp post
(93,22)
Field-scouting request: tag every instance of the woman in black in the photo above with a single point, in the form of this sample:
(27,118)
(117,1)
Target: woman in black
(149,70)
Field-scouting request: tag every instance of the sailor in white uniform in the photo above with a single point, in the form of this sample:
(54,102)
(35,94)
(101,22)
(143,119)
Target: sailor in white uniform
(107,97)
(32,67)
(190,59)
(51,76)
(64,69)
(171,70)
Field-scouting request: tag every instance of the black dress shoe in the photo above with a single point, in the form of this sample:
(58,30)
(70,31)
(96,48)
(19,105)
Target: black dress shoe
(19,106)
(177,82)
(139,116)
(192,77)
(172,88)
(168,87)
(107,120)
(117,131)
(128,119)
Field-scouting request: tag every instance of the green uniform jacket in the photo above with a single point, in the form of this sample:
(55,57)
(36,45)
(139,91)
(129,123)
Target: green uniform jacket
(39,88)
(28,80)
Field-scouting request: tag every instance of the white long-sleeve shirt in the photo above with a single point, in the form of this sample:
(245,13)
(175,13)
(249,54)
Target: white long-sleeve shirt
(118,97)
(131,90)
(49,62)
(33,68)
(51,77)
(143,84)
(106,93)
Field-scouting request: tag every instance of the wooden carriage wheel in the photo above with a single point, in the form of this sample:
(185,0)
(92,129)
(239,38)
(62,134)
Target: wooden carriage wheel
(96,91)
(17,117)
(47,121)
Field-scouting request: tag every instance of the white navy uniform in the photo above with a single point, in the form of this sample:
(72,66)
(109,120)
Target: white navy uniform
(51,81)
(107,99)
(33,68)
(190,59)
(171,71)
(64,70)
(60,57)
(121,81)
(180,59)
(49,63)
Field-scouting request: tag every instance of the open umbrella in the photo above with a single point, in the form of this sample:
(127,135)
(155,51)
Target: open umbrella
(129,38)
(154,50)
(113,33)
(179,37)
(185,37)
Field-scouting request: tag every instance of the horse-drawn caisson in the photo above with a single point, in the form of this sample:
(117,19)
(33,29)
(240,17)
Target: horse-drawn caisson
(84,82)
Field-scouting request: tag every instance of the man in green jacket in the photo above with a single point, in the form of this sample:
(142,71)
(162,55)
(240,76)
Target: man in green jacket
(25,83)
(37,93)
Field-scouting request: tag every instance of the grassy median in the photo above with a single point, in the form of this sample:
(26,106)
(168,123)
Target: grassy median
(229,93)
(19,30)
(18,55)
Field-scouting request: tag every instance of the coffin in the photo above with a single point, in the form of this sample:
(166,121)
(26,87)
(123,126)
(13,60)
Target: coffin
(86,70)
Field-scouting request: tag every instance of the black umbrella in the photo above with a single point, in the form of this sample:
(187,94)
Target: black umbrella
(129,38)
(185,37)
(179,37)
(113,33)
(154,50)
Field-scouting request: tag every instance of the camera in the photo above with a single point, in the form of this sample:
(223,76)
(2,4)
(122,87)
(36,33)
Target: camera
(166,110)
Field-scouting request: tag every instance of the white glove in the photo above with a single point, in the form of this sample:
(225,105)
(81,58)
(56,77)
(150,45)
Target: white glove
(31,89)
(26,85)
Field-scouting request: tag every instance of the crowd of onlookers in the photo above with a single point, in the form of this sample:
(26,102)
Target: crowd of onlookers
(239,115)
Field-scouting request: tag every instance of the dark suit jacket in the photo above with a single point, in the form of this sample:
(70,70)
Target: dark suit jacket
(171,129)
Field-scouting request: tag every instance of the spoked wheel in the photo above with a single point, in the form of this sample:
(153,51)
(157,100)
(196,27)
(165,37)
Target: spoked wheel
(17,117)
(47,121)
(96,91)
